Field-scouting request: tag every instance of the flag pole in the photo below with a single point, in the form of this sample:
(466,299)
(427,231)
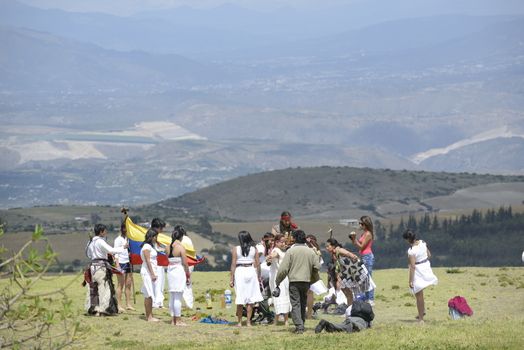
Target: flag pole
(124,211)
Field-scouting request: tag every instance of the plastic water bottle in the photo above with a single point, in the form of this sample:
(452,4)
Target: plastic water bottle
(227,297)
(209,304)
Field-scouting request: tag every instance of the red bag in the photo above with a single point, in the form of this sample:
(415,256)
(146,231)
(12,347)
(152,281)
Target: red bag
(461,305)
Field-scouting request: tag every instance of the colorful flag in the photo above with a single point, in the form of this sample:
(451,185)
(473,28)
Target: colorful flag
(136,235)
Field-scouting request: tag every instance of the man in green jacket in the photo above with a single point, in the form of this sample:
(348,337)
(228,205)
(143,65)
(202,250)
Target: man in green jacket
(301,265)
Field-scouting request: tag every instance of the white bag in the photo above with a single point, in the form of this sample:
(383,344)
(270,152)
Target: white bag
(318,288)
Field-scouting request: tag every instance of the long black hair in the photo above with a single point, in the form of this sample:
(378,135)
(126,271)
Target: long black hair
(178,233)
(246,242)
(410,236)
(334,243)
(150,234)
(267,238)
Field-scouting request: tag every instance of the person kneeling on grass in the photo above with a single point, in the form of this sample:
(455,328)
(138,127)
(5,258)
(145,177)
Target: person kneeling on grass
(358,317)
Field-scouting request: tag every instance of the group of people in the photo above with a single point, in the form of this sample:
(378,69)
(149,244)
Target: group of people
(294,260)
(287,259)
(106,260)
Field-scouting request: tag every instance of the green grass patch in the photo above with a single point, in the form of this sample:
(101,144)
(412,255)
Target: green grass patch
(496,324)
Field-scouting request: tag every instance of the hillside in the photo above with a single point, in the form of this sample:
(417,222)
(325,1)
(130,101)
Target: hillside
(39,61)
(324,192)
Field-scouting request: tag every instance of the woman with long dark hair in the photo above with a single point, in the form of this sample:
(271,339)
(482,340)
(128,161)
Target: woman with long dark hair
(177,274)
(420,273)
(245,275)
(364,243)
(148,272)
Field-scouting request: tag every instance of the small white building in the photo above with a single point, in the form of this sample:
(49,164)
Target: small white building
(348,222)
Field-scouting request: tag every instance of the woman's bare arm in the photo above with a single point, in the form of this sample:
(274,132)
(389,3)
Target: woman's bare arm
(147,257)
(412,262)
(233,266)
(346,253)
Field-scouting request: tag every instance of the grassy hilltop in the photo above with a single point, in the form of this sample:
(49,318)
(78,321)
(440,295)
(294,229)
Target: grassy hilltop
(496,296)
(336,192)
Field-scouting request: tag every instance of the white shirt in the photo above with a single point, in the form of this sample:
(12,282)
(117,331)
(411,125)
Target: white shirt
(261,251)
(249,259)
(98,249)
(419,251)
(152,257)
(123,258)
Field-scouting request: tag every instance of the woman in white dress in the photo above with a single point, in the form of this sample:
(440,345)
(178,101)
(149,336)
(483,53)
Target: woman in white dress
(148,272)
(420,273)
(245,276)
(281,303)
(177,275)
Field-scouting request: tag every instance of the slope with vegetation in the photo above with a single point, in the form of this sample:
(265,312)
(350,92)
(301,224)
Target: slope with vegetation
(326,192)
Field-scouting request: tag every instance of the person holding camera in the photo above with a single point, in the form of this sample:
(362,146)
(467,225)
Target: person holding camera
(281,303)
(364,243)
(301,265)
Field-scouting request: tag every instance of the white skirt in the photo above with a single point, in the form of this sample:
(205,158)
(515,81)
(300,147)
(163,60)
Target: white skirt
(176,278)
(423,277)
(247,289)
(148,286)
(282,304)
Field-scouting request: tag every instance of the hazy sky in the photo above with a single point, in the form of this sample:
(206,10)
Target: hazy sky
(131,6)
(126,7)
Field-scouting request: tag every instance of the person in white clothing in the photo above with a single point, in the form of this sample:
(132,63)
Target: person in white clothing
(178,276)
(160,284)
(245,276)
(420,273)
(263,250)
(281,303)
(187,296)
(148,271)
(102,299)
(125,280)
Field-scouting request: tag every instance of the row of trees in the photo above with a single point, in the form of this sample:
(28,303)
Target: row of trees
(493,238)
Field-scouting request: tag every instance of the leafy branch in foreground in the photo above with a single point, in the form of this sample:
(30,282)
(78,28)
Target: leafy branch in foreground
(28,317)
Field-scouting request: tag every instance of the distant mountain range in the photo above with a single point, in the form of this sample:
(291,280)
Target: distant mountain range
(230,98)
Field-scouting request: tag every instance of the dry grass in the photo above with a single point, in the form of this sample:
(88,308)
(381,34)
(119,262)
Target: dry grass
(495,294)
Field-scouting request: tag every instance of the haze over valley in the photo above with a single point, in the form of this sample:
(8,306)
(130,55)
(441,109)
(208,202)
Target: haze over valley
(99,108)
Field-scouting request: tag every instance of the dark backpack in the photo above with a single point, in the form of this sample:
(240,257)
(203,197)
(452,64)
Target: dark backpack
(363,310)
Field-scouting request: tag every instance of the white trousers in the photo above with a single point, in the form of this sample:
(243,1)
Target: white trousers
(175,303)
(158,300)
